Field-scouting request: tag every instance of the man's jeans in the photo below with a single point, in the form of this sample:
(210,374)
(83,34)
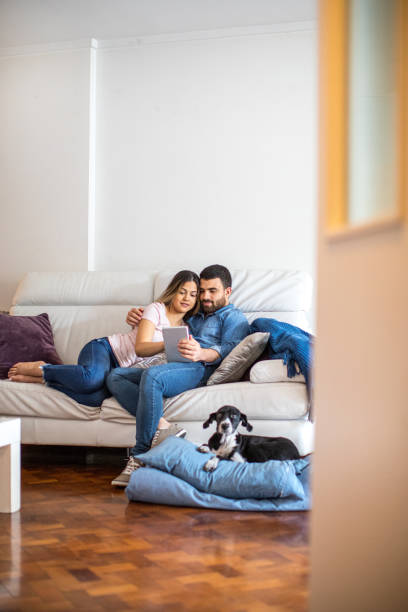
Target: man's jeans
(141,392)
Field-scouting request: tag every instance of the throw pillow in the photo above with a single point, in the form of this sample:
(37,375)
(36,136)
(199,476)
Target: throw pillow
(26,339)
(234,480)
(239,359)
(273,370)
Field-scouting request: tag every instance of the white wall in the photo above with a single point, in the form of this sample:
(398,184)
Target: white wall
(44,155)
(205,152)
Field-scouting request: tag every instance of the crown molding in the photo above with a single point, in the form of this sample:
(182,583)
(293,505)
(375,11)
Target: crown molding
(157,39)
(46,48)
(222,33)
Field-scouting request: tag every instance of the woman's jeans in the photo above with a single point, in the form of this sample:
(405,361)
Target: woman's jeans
(141,392)
(84,382)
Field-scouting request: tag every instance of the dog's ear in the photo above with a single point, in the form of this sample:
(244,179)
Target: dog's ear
(210,419)
(245,422)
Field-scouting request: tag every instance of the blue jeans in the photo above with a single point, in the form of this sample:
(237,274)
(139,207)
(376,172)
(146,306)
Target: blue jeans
(84,382)
(141,392)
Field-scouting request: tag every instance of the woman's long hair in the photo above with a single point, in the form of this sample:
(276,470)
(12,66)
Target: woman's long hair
(174,286)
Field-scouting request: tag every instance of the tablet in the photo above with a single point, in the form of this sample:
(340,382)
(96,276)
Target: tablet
(171,337)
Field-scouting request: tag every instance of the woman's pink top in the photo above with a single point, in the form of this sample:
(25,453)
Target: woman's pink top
(123,345)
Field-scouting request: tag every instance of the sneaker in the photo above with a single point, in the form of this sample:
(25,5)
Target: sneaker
(162,434)
(123,479)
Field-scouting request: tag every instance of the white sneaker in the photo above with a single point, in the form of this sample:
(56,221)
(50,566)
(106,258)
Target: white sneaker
(123,479)
(162,434)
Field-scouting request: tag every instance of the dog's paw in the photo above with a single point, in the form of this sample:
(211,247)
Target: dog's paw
(204,448)
(211,464)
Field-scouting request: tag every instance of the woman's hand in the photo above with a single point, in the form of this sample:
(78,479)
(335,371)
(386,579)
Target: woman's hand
(134,316)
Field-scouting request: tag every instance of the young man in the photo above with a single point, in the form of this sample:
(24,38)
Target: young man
(216,330)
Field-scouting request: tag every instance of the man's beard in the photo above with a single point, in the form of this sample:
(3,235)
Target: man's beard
(209,308)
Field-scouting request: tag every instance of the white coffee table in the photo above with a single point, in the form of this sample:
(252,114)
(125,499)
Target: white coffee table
(9,464)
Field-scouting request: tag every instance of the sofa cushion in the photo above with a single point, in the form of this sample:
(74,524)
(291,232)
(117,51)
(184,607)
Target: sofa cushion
(74,326)
(261,290)
(112,411)
(26,339)
(264,401)
(34,400)
(83,305)
(232,368)
(272,371)
(85,288)
(284,295)
(259,402)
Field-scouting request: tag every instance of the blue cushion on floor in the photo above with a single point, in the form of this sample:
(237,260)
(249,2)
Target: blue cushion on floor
(152,486)
(271,479)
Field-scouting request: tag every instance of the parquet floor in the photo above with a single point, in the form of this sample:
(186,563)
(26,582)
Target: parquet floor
(77,544)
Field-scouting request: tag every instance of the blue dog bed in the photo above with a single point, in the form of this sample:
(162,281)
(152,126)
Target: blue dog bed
(174,475)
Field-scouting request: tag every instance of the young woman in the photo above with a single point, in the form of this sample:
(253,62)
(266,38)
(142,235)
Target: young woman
(142,347)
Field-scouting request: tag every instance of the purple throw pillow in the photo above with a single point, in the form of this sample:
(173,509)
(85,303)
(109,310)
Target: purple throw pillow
(26,339)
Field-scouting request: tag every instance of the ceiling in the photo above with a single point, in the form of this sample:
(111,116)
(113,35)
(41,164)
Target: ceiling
(25,22)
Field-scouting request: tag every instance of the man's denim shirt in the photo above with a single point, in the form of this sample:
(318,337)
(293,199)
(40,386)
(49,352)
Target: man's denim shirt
(221,330)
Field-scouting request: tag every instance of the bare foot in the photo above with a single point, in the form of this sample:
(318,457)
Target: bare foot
(163,424)
(27,379)
(27,368)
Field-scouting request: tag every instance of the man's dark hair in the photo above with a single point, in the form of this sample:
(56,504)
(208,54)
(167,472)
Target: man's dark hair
(217,271)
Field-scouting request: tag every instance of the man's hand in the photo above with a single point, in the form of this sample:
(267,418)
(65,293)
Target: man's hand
(190,349)
(134,316)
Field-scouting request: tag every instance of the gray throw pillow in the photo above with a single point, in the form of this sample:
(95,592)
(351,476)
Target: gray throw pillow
(239,359)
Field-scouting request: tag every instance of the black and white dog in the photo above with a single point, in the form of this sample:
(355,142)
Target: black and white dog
(227,443)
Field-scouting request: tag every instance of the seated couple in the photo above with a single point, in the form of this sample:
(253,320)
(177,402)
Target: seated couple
(215,326)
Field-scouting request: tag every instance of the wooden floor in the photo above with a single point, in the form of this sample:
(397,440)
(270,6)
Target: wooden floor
(78,544)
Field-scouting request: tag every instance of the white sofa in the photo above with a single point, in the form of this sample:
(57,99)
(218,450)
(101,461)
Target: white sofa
(87,305)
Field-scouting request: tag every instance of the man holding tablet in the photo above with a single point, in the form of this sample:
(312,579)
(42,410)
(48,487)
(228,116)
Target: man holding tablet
(215,331)
(172,337)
